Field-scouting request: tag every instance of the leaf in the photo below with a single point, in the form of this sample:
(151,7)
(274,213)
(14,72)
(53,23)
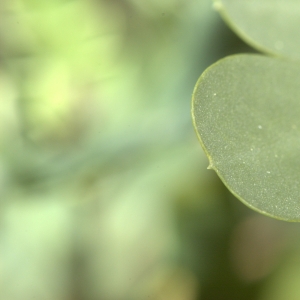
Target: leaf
(270,26)
(246,111)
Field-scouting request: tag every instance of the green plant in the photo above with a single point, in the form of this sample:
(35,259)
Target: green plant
(246,108)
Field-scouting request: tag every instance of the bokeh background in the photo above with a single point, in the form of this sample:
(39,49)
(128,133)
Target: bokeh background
(104,189)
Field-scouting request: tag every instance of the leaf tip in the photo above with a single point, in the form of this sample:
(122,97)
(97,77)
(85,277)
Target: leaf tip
(210,166)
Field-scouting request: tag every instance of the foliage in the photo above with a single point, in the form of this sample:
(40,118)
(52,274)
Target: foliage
(246,108)
(103,187)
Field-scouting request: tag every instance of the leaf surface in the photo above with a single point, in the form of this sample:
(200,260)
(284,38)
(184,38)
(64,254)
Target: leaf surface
(270,26)
(246,111)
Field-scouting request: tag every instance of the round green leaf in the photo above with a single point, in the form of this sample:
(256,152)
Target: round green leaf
(246,111)
(271,26)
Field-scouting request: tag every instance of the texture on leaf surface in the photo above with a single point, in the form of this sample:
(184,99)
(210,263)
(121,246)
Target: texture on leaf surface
(246,112)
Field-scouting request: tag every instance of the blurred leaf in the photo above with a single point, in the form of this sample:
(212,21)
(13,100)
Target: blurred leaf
(267,25)
(36,248)
(284,284)
(246,112)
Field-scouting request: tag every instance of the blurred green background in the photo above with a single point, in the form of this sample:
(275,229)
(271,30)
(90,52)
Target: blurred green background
(104,189)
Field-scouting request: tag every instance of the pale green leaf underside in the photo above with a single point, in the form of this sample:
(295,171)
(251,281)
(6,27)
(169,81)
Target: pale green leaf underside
(246,110)
(271,26)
